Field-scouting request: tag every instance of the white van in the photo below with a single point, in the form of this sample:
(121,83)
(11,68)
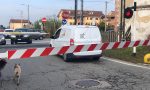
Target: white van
(77,35)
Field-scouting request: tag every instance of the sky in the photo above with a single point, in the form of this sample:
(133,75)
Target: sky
(17,9)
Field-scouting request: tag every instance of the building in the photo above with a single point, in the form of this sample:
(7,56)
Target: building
(18,23)
(89,17)
(139,22)
(111,19)
(118,10)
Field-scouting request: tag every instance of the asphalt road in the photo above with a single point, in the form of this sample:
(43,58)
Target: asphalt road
(52,73)
(21,45)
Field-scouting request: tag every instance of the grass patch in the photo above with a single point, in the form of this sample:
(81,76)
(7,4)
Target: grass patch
(126,54)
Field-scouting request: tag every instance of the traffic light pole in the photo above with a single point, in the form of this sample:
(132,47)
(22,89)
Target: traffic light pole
(75,12)
(121,15)
(134,28)
(124,6)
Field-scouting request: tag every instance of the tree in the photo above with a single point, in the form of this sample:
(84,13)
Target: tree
(51,25)
(37,25)
(102,26)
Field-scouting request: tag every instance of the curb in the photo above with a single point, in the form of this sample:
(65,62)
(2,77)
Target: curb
(139,65)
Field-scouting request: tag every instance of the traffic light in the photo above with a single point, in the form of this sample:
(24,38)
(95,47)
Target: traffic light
(128,13)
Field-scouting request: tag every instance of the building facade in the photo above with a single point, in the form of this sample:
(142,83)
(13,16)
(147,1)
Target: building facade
(18,23)
(89,17)
(111,19)
(118,10)
(140,20)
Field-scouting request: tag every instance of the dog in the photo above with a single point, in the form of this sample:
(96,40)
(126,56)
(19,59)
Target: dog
(17,73)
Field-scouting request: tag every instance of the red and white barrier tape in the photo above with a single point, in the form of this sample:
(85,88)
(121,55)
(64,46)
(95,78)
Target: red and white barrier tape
(4,55)
(35,52)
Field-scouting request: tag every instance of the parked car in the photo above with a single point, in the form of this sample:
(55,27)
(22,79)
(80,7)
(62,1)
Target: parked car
(36,36)
(21,36)
(2,40)
(77,35)
(8,32)
(43,33)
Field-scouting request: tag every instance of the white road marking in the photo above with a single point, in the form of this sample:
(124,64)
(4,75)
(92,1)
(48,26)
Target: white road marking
(125,63)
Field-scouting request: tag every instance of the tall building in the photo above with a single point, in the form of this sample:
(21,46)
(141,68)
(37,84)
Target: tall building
(88,17)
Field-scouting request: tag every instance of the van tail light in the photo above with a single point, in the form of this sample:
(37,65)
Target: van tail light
(71,42)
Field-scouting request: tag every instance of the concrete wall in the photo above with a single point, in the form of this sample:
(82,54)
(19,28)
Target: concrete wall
(141,22)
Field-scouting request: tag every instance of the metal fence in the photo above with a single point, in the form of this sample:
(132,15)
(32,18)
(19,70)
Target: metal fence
(112,36)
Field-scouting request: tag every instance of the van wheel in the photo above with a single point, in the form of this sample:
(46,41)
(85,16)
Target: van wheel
(96,58)
(66,58)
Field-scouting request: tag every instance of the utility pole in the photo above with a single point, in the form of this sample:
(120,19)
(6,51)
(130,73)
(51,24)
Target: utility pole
(28,14)
(82,12)
(121,24)
(106,16)
(75,12)
(21,14)
(28,10)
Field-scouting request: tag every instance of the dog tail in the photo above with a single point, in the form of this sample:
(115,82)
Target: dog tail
(17,74)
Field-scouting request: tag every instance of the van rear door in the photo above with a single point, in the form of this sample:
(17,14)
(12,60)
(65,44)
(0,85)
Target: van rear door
(87,35)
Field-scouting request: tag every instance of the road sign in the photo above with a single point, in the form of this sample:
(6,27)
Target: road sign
(44,20)
(65,15)
(64,21)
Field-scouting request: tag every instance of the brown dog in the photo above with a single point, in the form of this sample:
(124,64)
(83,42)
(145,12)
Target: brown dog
(17,73)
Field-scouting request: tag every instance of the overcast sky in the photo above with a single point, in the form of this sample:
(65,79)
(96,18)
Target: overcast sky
(41,8)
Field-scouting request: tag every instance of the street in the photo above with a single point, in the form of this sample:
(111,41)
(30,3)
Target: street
(52,73)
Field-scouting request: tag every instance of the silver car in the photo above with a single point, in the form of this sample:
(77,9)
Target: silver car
(2,40)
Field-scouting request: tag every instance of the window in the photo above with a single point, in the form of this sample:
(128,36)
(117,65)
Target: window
(57,34)
(90,18)
(96,18)
(87,18)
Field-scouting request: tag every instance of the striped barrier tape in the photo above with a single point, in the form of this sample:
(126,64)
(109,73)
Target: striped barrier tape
(4,55)
(35,52)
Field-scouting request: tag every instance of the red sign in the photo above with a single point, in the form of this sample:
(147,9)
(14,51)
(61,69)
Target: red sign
(44,20)
(65,15)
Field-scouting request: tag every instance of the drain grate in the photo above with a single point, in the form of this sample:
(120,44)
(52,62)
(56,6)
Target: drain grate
(90,83)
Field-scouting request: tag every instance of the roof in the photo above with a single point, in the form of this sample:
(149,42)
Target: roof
(85,13)
(77,26)
(18,21)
